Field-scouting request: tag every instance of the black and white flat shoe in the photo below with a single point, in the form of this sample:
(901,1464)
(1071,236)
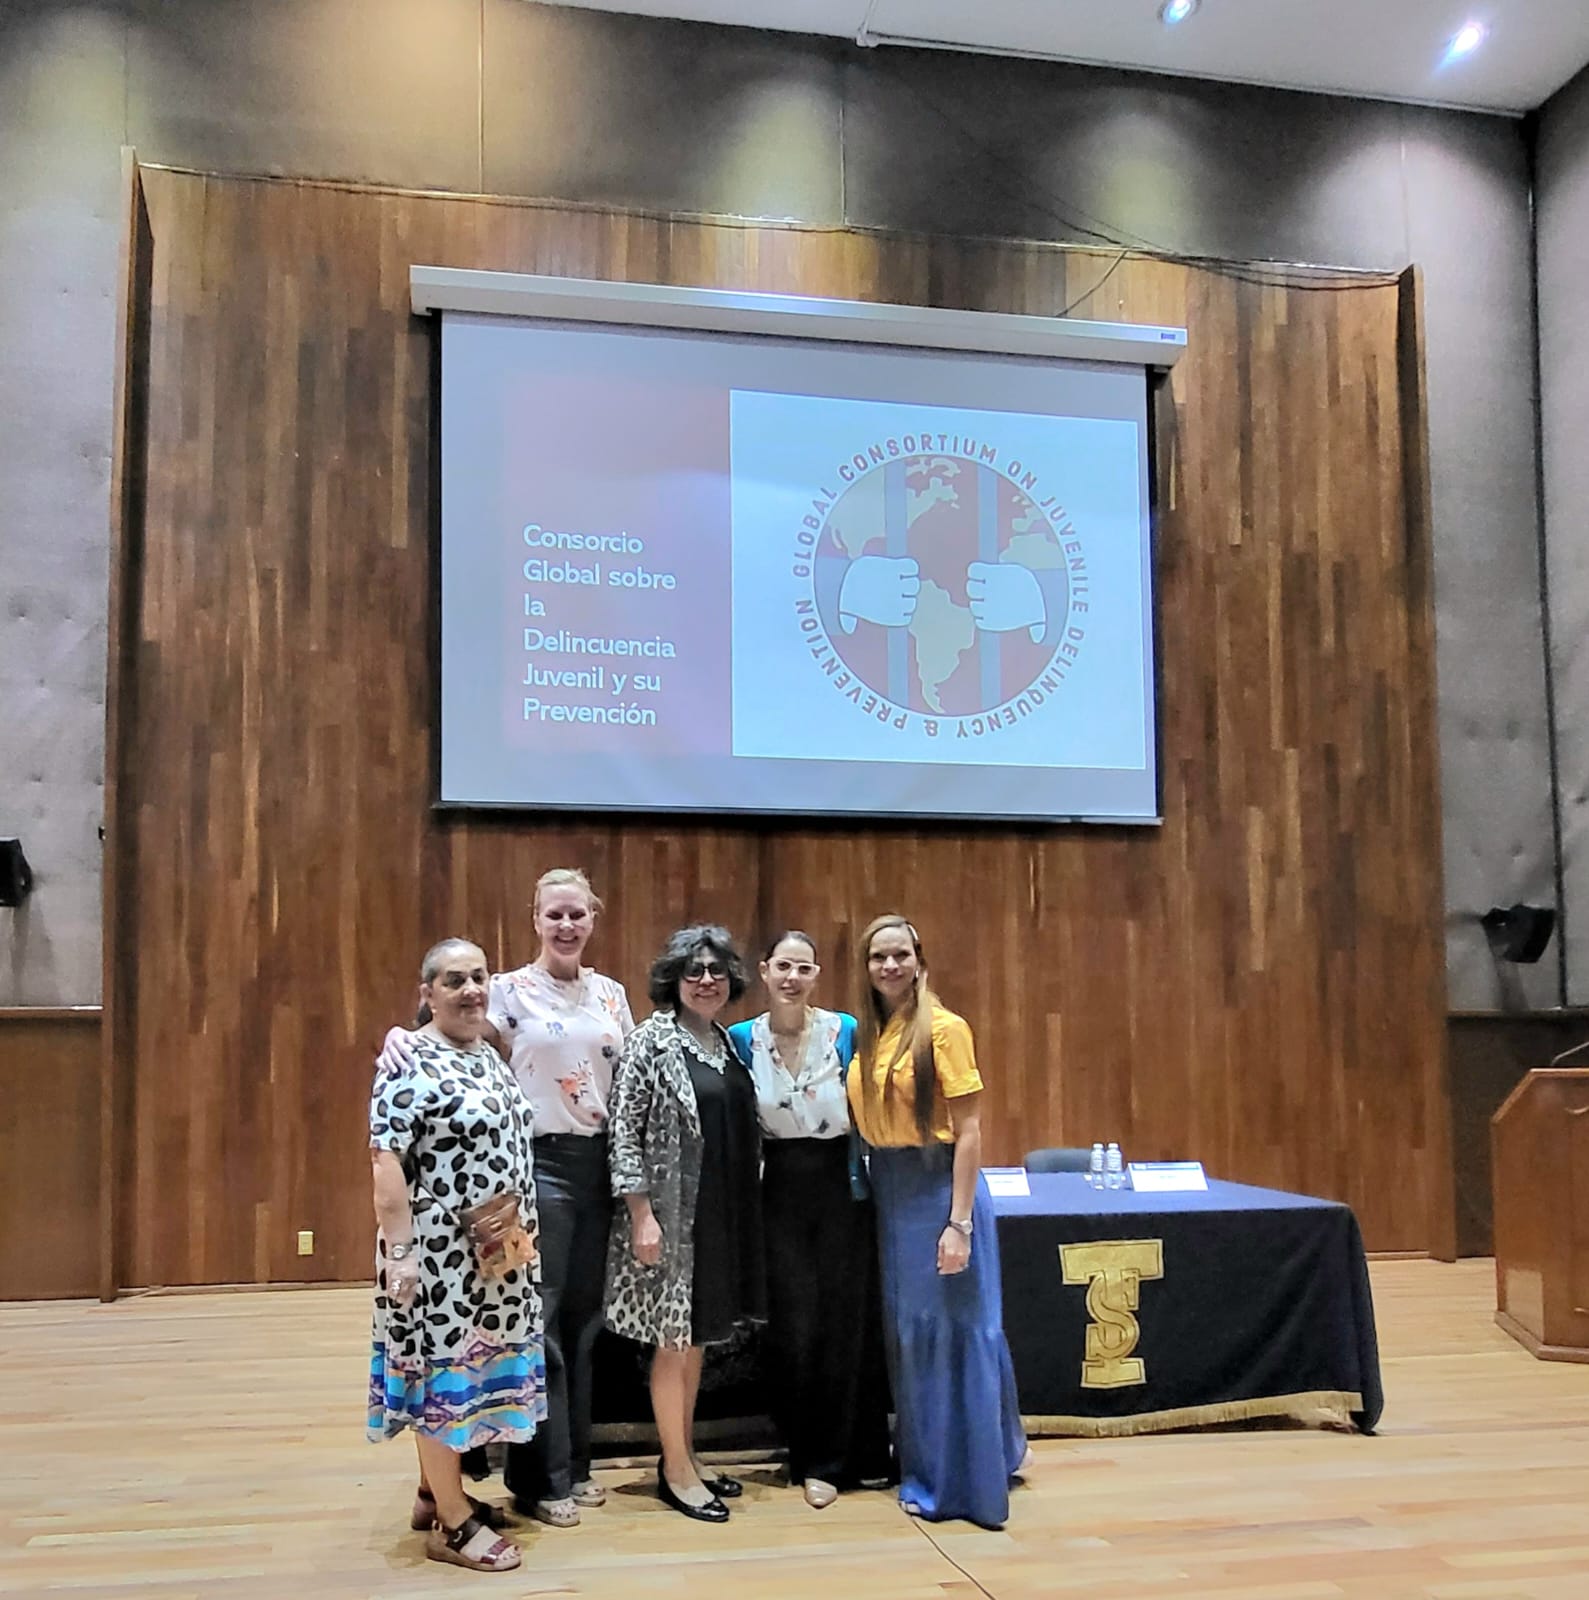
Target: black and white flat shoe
(713,1511)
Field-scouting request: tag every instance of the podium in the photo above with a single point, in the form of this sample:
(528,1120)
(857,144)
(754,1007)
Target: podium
(1539,1141)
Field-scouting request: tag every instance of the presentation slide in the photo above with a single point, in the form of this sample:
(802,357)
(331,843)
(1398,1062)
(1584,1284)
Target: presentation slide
(721,573)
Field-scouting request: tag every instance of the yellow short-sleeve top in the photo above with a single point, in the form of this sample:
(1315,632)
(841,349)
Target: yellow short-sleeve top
(890,1121)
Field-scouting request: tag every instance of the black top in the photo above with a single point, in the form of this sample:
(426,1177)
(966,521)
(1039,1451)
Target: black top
(730,1282)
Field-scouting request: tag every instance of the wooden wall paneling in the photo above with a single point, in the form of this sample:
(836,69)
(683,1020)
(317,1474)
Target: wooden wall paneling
(128,493)
(1420,737)
(50,1077)
(1249,982)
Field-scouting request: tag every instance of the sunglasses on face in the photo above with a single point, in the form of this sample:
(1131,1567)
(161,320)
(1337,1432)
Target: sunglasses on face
(705,971)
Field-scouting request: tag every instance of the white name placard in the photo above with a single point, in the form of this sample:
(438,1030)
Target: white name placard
(1166,1177)
(1006,1180)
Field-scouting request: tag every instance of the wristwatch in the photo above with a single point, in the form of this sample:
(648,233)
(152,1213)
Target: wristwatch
(961,1227)
(400,1252)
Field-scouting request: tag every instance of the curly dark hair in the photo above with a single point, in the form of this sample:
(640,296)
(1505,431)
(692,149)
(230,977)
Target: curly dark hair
(682,948)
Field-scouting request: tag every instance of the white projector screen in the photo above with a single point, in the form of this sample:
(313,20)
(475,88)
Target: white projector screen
(705,572)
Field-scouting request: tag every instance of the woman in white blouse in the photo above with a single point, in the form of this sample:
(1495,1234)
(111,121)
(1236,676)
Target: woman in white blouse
(561,1027)
(826,1368)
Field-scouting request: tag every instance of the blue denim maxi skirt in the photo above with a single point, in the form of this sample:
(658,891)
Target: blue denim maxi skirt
(959,1433)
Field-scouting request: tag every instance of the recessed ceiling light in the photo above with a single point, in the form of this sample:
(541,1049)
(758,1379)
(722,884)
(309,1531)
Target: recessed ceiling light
(1173,11)
(1466,40)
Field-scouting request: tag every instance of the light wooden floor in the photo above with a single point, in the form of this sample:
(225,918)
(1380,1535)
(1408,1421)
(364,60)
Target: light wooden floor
(211,1445)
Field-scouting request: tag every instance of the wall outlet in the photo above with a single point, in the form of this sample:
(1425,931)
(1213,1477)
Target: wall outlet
(306,1242)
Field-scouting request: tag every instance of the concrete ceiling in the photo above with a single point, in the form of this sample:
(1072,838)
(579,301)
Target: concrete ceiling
(1383,49)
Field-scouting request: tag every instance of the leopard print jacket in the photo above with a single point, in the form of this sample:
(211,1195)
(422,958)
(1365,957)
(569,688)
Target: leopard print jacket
(655,1147)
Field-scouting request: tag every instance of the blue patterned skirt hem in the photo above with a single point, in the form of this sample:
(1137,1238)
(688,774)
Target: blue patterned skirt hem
(490,1394)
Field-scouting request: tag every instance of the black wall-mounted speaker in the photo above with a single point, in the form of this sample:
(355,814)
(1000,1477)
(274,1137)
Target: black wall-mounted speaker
(1519,933)
(16,876)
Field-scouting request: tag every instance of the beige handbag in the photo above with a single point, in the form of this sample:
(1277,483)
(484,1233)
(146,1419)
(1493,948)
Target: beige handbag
(495,1228)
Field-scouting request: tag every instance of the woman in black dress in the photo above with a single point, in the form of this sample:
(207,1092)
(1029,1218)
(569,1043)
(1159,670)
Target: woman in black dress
(684,1267)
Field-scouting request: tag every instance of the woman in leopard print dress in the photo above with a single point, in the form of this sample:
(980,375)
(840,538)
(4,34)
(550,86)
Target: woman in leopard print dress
(457,1356)
(684,1266)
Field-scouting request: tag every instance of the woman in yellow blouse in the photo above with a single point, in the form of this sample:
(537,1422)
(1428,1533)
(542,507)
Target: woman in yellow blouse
(915,1092)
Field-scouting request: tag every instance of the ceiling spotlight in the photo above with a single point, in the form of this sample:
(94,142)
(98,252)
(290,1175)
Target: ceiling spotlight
(1173,11)
(1466,40)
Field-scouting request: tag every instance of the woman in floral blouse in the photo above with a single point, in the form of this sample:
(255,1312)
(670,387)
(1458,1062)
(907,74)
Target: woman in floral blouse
(562,1028)
(824,1321)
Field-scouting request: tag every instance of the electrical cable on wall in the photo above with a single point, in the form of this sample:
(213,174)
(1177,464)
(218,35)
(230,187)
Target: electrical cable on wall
(1109,272)
(1076,221)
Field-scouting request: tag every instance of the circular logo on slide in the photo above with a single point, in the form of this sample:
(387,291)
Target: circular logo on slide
(941,583)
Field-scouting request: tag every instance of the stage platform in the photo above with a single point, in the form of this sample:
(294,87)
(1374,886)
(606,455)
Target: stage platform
(210,1445)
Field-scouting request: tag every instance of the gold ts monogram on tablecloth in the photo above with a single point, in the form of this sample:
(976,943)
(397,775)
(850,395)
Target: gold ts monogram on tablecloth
(1113,1270)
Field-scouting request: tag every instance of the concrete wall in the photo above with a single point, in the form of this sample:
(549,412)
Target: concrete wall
(509,97)
(1563,231)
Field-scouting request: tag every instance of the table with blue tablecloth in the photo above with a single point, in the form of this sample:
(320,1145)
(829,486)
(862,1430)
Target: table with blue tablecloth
(1182,1310)
(1129,1313)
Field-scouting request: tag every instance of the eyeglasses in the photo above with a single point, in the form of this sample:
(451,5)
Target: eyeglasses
(801,969)
(705,971)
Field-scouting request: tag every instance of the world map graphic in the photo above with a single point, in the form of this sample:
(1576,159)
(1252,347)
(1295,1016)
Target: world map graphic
(945,514)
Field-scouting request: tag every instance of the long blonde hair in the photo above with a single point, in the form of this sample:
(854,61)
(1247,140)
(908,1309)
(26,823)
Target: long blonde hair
(915,1036)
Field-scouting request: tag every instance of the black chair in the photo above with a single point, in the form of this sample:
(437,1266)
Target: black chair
(1065,1158)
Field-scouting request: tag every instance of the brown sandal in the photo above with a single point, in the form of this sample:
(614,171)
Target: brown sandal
(423,1516)
(449,1544)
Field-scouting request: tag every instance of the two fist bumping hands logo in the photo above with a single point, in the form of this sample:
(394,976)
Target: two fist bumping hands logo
(947,588)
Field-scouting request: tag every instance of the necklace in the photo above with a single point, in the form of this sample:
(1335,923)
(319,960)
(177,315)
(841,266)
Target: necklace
(791,1060)
(711,1055)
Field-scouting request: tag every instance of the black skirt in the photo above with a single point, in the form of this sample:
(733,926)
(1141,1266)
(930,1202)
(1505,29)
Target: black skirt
(730,1282)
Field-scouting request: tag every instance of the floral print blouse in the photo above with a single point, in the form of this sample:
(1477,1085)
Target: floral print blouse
(564,1038)
(800,1099)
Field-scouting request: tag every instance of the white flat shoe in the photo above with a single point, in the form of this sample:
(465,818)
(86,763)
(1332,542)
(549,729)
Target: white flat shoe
(820,1494)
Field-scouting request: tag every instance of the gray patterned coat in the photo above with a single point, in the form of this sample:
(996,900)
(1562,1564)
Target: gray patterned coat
(655,1147)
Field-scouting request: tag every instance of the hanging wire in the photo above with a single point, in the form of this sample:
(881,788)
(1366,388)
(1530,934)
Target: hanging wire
(1076,221)
(1087,294)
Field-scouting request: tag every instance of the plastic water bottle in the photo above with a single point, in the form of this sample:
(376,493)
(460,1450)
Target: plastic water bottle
(1114,1168)
(1095,1167)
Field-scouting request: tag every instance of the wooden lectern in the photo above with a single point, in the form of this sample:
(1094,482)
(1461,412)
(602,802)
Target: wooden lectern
(1539,1140)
